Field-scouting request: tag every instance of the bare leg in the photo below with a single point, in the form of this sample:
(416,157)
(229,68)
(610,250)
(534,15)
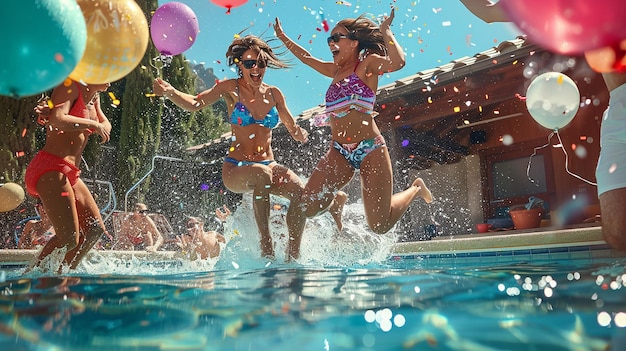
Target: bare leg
(336,208)
(91,224)
(261,205)
(330,175)
(382,208)
(258,178)
(59,200)
(613,205)
(423,191)
(287,184)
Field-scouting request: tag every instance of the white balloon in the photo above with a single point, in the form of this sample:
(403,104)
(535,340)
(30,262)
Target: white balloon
(552,100)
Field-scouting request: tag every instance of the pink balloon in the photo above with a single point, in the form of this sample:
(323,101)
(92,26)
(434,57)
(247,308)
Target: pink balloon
(173,28)
(569,26)
(229,3)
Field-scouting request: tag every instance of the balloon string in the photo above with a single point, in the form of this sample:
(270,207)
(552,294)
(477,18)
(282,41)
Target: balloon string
(566,159)
(566,162)
(160,58)
(530,159)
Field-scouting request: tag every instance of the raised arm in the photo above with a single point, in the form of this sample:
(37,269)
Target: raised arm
(326,68)
(297,133)
(187,101)
(486,10)
(395,59)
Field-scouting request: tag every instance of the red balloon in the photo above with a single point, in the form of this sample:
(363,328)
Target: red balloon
(229,3)
(569,26)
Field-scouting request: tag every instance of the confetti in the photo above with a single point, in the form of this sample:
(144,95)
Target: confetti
(325,25)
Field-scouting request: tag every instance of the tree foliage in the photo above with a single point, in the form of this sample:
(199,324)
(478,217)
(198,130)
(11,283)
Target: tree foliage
(143,126)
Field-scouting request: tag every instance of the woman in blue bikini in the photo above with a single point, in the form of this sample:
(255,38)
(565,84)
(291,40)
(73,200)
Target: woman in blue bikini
(255,108)
(361,52)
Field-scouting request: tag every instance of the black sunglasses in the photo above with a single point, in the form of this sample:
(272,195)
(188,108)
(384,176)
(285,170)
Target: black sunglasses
(142,211)
(192,225)
(248,64)
(335,38)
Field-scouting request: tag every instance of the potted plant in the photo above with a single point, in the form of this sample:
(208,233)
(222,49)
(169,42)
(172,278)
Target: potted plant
(526,216)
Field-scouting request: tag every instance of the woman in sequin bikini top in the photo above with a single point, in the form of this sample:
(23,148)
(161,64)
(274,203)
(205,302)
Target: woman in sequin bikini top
(361,52)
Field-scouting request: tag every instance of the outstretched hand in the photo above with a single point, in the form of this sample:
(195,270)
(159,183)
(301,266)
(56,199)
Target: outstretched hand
(278,29)
(387,21)
(301,135)
(161,87)
(222,215)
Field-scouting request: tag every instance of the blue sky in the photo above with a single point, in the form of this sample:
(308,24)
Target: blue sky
(432,33)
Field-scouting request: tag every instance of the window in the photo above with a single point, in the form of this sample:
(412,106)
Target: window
(505,181)
(511,179)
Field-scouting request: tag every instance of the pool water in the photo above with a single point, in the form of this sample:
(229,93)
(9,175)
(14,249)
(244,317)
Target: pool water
(399,304)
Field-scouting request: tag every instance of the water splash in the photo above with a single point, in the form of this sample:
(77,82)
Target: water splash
(322,243)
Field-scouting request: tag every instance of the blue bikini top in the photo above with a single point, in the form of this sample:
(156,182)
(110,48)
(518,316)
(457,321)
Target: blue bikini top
(241,115)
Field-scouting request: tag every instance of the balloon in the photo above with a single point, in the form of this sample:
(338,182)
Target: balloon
(228,4)
(569,26)
(11,196)
(608,58)
(42,41)
(117,39)
(552,100)
(173,28)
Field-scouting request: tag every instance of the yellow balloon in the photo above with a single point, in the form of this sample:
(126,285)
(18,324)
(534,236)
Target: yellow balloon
(11,196)
(117,39)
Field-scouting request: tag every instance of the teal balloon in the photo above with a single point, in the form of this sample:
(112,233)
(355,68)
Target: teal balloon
(42,41)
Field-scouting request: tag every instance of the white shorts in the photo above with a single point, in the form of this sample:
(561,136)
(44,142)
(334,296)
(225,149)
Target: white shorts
(611,169)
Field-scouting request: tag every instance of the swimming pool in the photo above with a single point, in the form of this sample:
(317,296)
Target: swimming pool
(403,303)
(549,290)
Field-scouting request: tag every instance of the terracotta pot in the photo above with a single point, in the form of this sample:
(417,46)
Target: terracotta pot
(483,227)
(526,219)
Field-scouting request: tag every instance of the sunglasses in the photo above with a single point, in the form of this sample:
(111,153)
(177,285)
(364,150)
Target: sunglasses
(142,211)
(192,225)
(335,38)
(248,64)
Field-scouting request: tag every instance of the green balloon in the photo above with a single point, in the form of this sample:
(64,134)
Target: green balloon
(41,42)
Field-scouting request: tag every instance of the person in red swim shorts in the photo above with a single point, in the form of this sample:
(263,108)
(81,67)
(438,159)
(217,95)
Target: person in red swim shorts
(71,115)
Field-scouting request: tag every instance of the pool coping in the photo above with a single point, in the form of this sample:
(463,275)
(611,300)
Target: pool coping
(505,241)
(573,242)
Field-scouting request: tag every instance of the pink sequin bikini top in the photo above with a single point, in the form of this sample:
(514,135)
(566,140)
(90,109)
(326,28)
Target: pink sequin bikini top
(350,93)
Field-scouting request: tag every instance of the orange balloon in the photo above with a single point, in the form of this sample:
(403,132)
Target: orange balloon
(608,58)
(117,39)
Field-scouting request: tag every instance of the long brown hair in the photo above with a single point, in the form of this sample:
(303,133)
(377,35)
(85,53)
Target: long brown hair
(367,33)
(266,53)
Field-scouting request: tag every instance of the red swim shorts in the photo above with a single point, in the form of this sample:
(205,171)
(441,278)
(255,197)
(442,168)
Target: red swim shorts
(45,162)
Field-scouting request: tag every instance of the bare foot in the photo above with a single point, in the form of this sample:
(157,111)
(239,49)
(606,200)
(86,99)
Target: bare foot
(423,191)
(336,208)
